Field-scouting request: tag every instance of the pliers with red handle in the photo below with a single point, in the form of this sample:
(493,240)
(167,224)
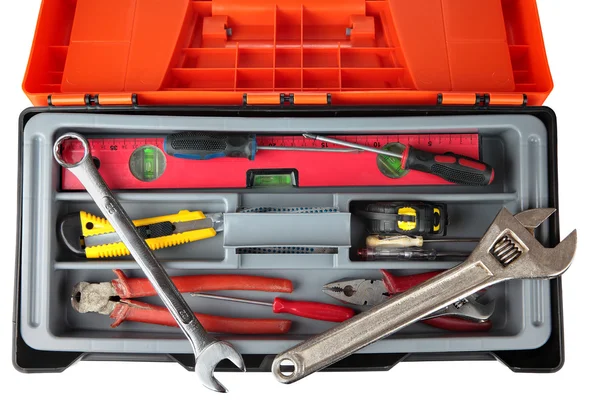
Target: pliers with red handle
(114,298)
(466,315)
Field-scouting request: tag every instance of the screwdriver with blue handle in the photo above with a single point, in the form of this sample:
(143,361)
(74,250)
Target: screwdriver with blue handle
(207,146)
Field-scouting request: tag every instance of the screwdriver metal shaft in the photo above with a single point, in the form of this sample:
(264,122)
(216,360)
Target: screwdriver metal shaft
(311,149)
(234,299)
(306,309)
(350,144)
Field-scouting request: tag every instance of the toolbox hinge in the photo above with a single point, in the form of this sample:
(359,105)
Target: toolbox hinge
(482,99)
(286,99)
(96,100)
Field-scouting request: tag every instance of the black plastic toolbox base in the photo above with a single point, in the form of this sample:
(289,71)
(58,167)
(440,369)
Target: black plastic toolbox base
(547,358)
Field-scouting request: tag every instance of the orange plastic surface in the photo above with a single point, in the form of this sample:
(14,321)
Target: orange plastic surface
(359,51)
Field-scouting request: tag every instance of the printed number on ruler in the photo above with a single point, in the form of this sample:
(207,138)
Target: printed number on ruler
(123,168)
(423,141)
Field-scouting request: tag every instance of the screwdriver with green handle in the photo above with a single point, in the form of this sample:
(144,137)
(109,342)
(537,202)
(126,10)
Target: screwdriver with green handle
(208,146)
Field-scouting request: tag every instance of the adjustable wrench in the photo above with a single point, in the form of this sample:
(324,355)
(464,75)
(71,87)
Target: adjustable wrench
(508,250)
(208,351)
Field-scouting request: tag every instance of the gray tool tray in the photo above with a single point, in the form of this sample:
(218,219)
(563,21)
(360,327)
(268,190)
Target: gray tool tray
(519,147)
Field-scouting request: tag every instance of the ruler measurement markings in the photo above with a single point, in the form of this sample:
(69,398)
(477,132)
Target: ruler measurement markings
(276,141)
(116,151)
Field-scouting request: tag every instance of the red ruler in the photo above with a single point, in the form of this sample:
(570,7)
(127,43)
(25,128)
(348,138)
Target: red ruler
(315,169)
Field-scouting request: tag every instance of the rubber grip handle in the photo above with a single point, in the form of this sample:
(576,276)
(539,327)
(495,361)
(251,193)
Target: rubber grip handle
(128,288)
(457,324)
(137,311)
(450,166)
(206,146)
(313,310)
(399,284)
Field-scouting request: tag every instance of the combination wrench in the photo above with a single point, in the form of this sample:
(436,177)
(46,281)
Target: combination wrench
(208,351)
(508,250)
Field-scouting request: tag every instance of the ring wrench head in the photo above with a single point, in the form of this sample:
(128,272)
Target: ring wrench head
(57,150)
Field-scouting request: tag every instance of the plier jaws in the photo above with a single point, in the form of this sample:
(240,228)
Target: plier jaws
(116,299)
(468,314)
(360,292)
(94,297)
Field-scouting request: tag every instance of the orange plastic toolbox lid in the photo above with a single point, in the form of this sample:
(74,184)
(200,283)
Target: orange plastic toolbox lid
(309,52)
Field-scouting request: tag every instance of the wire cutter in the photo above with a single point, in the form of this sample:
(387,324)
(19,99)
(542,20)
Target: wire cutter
(466,315)
(114,299)
(93,237)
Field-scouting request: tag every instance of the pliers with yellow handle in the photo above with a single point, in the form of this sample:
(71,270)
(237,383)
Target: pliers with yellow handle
(93,237)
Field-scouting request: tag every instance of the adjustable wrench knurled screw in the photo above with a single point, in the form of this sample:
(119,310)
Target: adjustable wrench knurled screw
(208,351)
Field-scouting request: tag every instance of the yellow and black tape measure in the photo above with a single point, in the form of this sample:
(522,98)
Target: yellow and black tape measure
(408,218)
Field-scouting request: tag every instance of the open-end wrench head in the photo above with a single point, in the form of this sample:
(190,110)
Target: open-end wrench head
(207,361)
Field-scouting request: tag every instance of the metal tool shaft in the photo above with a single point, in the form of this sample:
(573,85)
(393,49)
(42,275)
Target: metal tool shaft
(313,149)
(352,145)
(233,299)
(88,174)
(450,240)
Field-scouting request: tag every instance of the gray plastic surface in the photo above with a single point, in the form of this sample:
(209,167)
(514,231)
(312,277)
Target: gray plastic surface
(514,145)
(289,229)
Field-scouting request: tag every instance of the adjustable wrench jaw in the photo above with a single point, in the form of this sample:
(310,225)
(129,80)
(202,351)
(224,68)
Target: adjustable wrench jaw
(509,250)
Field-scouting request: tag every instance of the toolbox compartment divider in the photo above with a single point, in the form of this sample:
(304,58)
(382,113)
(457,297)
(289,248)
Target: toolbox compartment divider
(324,229)
(203,196)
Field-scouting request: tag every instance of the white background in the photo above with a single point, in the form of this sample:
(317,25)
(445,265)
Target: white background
(572,34)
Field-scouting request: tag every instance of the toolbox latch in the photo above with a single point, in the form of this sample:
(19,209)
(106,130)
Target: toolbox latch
(482,99)
(286,99)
